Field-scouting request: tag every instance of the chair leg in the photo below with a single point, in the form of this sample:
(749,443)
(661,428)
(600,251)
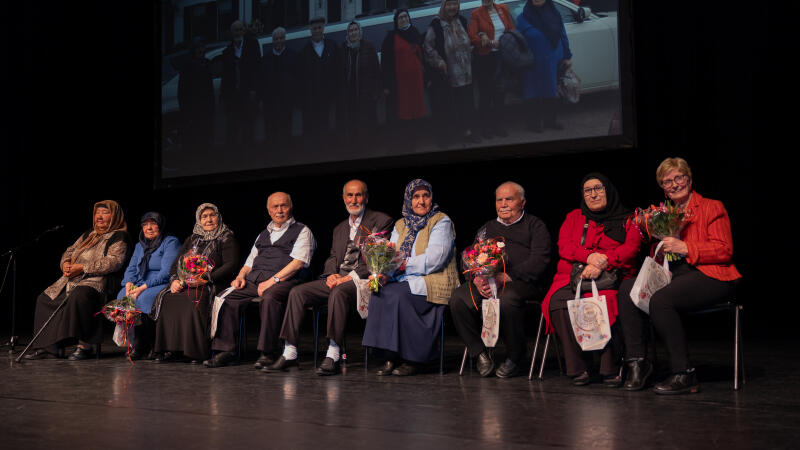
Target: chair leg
(344,353)
(316,336)
(544,355)
(738,357)
(242,337)
(558,357)
(441,351)
(463,362)
(536,347)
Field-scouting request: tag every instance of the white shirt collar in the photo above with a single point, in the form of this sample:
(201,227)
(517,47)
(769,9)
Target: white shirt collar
(273,228)
(357,222)
(512,223)
(277,53)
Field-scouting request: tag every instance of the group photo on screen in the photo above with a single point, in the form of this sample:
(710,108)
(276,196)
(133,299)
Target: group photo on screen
(269,84)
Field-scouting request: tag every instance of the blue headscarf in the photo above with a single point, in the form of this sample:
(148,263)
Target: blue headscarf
(546,19)
(150,245)
(413,222)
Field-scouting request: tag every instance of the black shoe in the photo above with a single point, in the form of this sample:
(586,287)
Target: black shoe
(263,361)
(678,383)
(639,370)
(80,354)
(485,364)
(612,381)
(281,365)
(40,353)
(221,359)
(582,379)
(386,369)
(508,369)
(406,369)
(164,357)
(328,367)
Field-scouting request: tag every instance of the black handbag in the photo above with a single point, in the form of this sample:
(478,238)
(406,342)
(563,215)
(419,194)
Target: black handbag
(608,279)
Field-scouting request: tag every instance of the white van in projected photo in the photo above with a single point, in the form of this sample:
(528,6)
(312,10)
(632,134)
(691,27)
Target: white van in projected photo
(592,39)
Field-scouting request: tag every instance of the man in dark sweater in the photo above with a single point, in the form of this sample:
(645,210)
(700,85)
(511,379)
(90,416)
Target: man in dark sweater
(527,245)
(277,262)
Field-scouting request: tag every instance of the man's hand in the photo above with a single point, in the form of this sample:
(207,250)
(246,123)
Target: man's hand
(238,282)
(264,285)
(332,280)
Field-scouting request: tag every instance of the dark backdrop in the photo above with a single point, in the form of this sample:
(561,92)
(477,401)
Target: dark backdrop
(81,117)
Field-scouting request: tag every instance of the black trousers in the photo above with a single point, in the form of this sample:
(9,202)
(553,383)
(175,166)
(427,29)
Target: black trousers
(469,321)
(579,361)
(272,304)
(316,293)
(491,96)
(689,290)
(453,109)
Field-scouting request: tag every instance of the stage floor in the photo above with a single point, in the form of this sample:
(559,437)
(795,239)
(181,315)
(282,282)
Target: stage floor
(109,403)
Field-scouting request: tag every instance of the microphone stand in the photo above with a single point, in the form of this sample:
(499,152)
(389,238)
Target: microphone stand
(12,263)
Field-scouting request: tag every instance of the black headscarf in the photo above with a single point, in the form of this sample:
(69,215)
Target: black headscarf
(150,245)
(546,19)
(410,34)
(615,214)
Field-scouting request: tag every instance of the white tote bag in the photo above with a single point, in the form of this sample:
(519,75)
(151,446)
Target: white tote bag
(491,317)
(652,277)
(363,294)
(589,319)
(218,301)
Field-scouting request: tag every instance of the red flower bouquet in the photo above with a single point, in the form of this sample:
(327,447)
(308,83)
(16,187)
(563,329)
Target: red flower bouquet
(382,258)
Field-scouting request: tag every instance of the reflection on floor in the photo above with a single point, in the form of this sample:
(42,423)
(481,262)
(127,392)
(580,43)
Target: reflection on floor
(109,403)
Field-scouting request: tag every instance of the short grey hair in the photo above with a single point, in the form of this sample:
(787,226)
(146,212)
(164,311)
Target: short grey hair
(366,190)
(520,190)
(291,204)
(279,30)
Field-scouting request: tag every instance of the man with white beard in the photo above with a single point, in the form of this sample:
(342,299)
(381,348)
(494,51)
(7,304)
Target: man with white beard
(337,285)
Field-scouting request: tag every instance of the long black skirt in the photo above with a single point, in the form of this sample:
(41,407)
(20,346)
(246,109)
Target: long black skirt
(403,323)
(183,322)
(75,321)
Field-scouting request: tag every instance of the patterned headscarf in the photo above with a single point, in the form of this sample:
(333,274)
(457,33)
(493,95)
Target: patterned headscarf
(209,235)
(413,222)
(117,224)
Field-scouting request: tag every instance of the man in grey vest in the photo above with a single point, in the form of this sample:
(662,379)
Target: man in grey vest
(337,286)
(277,262)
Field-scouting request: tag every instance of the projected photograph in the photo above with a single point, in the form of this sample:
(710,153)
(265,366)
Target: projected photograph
(270,84)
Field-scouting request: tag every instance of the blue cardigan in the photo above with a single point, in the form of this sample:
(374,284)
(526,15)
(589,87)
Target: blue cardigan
(157,275)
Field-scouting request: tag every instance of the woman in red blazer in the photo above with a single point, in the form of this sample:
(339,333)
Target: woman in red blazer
(486,24)
(703,275)
(611,243)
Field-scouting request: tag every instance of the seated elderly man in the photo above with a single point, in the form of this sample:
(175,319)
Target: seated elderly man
(337,286)
(277,263)
(528,253)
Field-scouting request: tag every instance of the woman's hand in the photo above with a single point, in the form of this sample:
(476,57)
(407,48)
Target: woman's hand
(65,267)
(675,245)
(134,293)
(176,286)
(443,67)
(598,260)
(485,42)
(565,64)
(590,272)
(74,270)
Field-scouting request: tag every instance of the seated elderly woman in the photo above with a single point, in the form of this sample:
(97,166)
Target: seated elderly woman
(147,274)
(182,312)
(405,315)
(702,275)
(87,266)
(595,240)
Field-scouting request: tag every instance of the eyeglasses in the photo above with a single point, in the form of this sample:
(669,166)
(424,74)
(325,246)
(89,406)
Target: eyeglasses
(599,189)
(678,179)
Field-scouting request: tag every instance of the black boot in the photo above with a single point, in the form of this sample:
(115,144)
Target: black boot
(679,383)
(639,370)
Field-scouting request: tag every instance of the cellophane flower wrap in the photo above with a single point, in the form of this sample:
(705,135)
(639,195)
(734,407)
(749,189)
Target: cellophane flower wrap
(124,313)
(485,258)
(382,257)
(194,267)
(664,220)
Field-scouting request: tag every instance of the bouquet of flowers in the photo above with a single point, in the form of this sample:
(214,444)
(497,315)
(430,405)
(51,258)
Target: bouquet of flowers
(192,268)
(382,258)
(124,313)
(664,220)
(485,259)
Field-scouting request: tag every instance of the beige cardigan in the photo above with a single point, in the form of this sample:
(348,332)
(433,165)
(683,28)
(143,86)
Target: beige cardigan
(96,264)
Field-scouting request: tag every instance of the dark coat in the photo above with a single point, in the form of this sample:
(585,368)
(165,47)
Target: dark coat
(373,221)
(277,78)
(315,73)
(196,87)
(248,69)
(368,69)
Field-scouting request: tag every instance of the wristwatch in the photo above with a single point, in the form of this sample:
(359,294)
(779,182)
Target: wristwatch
(276,279)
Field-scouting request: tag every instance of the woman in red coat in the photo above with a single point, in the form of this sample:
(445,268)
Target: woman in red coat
(487,24)
(703,275)
(611,244)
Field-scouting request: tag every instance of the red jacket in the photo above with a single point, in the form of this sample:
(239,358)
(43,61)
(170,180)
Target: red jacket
(480,22)
(707,234)
(620,256)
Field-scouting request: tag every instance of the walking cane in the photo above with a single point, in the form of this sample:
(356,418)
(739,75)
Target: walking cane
(63,302)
